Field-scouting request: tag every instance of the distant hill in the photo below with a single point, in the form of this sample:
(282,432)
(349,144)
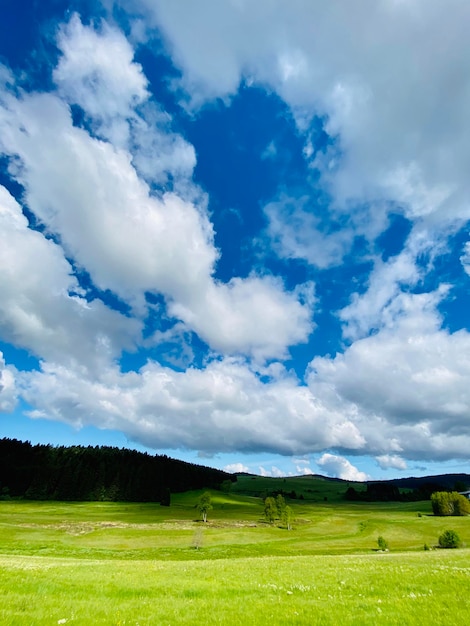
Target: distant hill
(46,472)
(318,488)
(457,482)
(412,482)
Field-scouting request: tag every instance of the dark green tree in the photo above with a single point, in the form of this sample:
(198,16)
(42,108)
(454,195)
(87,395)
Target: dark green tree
(383,545)
(165,498)
(449,539)
(226,486)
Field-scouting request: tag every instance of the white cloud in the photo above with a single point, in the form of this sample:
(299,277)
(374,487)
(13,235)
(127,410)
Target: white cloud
(88,193)
(294,230)
(339,467)
(8,392)
(131,242)
(274,472)
(303,471)
(385,299)
(394,461)
(395,104)
(42,309)
(224,407)
(254,315)
(395,101)
(406,384)
(96,71)
(302,467)
(465,258)
(382,301)
(237,468)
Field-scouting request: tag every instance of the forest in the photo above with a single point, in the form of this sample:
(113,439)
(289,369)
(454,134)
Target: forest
(46,472)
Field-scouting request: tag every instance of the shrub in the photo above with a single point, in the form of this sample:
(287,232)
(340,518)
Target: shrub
(449,503)
(449,539)
(383,545)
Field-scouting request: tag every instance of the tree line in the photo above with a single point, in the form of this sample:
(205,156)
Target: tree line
(388,491)
(46,472)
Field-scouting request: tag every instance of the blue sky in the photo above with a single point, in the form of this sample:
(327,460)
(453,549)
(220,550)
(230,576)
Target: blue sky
(237,233)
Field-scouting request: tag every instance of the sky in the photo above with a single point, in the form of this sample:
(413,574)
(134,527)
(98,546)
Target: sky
(237,232)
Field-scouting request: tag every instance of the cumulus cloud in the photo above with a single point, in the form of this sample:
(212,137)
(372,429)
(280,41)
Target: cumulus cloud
(406,384)
(87,191)
(339,467)
(254,315)
(8,392)
(295,232)
(394,102)
(130,241)
(42,308)
(113,196)
(303,471)
(383,300)
(223,407)
(274,472)
(387,461)
(96,71)
(237,468)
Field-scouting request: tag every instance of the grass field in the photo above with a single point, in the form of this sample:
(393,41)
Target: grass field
(121,563)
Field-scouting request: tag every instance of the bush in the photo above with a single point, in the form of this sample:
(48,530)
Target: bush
(383,545)
(449,539)
(449,503)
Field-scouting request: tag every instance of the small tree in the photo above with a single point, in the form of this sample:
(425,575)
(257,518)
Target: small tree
(204,505)
(383,545)
(287,517)
(280,505)
(270,509)
(197,538)
(449,539)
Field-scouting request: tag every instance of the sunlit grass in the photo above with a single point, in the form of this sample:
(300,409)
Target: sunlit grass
(414,588)
(121,563)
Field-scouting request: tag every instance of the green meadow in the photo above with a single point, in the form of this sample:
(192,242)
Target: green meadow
(126,563)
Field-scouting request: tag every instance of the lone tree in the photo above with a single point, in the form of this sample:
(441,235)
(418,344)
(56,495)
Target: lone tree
(286,517)
(280,505)
(204,505)
(270,509)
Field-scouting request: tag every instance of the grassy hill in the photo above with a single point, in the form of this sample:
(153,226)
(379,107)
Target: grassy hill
(109,563)
(236,528)
(316,488)
(312,488)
